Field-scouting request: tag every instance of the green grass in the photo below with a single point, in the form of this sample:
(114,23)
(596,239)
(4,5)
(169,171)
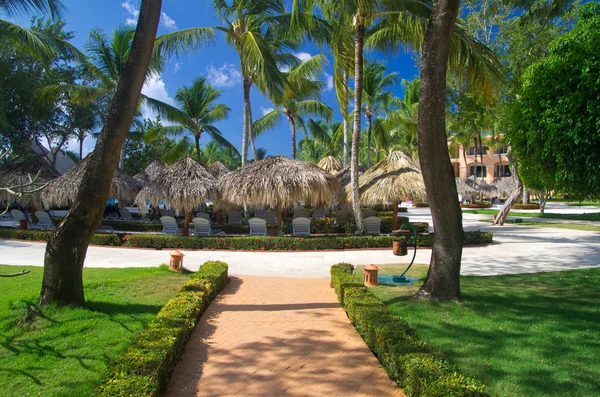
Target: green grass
(573,217)
(572,203)
(569,226)
(522,335)
(55,351)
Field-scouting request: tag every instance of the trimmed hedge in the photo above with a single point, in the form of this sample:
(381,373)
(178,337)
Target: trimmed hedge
(244,243)
(421,205)
(409,361)
(531,206)
(476,205)
(146,365)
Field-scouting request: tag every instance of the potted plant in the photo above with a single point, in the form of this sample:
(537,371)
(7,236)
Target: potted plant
(400,242)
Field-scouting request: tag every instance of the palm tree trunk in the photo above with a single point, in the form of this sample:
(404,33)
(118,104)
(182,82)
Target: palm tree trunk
(247,121)
(369,122)
(66,249)
(500,162)
(358,80)
(346,124)
(253,146)
(197,139)
(481,157)
(443,278)
(185,231)
(511,200)
(121,164)
(81,138)
(293,128)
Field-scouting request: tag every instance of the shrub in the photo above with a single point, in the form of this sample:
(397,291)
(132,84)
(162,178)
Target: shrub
(409,361)
(421,204)
(44,235)
(531,206)
(145,367)
(476,205)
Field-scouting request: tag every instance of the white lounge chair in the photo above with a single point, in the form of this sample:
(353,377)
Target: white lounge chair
(271,217)
(169,225)
(301,227)
(18,215)
(44,221)
(259,213)
(167,212)
(367,212)
(319,213)
(373,225)
(203,215)
(342,217)
(258,227)
(234,218)
(112,216)
(125,214)
(202,228)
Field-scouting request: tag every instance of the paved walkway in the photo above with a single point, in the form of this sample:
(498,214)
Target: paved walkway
(278,337)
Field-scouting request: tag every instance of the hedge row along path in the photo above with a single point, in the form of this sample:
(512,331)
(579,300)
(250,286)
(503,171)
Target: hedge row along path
(278,336)
(517,249)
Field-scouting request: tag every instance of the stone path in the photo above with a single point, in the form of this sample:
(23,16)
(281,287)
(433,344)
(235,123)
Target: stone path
(278,337)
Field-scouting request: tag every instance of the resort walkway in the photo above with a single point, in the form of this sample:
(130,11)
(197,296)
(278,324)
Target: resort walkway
(278,337)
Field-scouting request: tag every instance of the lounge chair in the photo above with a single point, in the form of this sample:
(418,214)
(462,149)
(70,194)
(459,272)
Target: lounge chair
(259,213)
(342,217)
(125,214)
(301,227)
(373,225)
(258,227)
(367,212)
(203,215)
(167,212)
(169,225)
(18,215)
(44,221)
(112,216)
(319,213)
(300,212)
(271,217)
(234,218)
(202,228)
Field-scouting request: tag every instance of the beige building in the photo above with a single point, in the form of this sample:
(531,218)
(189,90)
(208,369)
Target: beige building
(495,162)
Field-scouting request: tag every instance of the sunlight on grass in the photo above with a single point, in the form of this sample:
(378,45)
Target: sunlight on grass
(522,335)
(62,351)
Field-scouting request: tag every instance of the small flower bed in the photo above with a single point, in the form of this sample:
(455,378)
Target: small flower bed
(145,367)
(531,206)
(409,361)
(483,204)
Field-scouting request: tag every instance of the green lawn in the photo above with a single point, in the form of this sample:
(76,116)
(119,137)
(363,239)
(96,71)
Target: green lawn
(522,335)
(570,226)
(54,351)
(573,217)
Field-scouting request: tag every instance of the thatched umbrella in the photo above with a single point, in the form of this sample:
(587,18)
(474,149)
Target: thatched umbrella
(465,187)
(185,185)
(22,170)
(217,169)
(279,181)
(330,164)
(505,186)
(62,191)
(394,177)
(150,173)
(343,176)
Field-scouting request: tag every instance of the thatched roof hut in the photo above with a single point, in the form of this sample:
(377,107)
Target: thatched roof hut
(62,191)
(330,164)
(185,185)
(217,169)
(19,171)
(465,186)
(280,181)
(343,176)
(395,177)
(505,186)
(150,173)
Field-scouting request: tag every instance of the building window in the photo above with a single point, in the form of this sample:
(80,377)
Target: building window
(480,171)
(472,151)
(501,150)
(501,171)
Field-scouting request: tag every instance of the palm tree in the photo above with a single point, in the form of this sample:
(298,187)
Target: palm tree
(298,100)
(377,95)
(329,137)
(309,149)
(196,114)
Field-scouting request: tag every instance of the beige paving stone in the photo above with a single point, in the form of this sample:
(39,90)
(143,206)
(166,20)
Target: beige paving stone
(278,337)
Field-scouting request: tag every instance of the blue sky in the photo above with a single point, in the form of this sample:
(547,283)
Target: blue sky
(218,63)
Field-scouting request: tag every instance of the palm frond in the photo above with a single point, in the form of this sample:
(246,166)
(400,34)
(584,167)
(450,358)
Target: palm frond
(169,112)
(15,8)
(183,41)
(266,122)
(316,108)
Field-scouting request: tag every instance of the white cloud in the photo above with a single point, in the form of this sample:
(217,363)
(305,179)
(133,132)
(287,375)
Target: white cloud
(225,76)
(177,66)
(167,22)
(265,111)
(133,13)
(155,88)
(303,56)
(328,81)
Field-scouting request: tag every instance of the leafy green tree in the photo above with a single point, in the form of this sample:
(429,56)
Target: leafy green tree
(299,99)
(139,153)
(195,115)
(329,137)
(554,122)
